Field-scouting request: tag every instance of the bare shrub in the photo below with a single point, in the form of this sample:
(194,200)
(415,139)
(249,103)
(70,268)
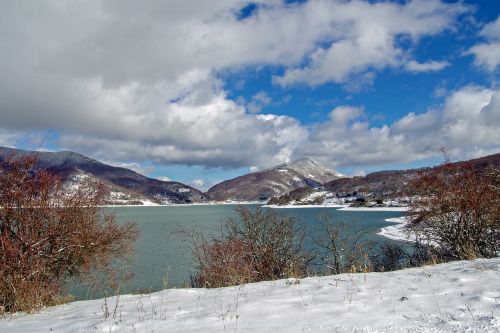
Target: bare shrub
(344,251)
(260,246)
(391,257)
(458,210)
(48,235)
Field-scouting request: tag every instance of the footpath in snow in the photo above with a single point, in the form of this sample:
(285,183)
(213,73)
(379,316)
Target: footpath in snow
(461,296)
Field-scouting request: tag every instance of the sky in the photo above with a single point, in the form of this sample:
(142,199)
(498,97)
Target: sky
(202,91)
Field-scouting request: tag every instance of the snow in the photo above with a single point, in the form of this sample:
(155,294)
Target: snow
(341,175)
(376,209)
(184,190)
(334,203)
(125,203)
(461,296)
(396,232)
(149,203)
(303,206)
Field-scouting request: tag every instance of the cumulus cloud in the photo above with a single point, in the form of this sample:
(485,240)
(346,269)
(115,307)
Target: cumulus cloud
(487,53)
(164,178)
(8,138)
(253,168)
(201,128)
(467,126)
(198,182)
(258,102)
(430,66)
(121,80)
(134,166)
(365,36)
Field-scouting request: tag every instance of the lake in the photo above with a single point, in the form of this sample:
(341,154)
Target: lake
(162,255)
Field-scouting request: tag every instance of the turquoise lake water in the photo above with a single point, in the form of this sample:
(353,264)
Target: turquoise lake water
(162,255)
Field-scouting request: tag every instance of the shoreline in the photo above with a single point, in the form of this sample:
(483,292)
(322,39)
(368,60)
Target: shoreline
(396,231)
(186,204)
(303,206)
(342,207)
(393,232)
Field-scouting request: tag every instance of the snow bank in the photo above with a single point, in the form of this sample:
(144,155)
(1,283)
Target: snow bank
(376,209)
(304,206)
(454,297)
(396,232)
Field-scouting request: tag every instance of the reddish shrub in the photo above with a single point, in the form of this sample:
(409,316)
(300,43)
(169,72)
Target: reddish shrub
(260,246)
(458,210)
(48,235)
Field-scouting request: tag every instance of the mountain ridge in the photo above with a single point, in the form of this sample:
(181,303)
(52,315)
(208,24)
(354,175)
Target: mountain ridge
(72,167)
(264,184)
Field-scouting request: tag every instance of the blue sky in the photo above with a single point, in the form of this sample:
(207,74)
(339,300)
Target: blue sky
(202,92)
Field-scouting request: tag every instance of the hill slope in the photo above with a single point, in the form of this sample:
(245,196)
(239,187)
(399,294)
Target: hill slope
(274,181)
(126,186)
(392,183)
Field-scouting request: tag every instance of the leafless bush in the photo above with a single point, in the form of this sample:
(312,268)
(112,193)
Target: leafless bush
(47,235)
(458,210)
(344,251)
(259,246)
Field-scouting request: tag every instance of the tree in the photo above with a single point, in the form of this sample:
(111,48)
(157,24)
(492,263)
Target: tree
(48,234)
(457,210)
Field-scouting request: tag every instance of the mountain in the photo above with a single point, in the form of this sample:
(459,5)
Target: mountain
(393,183)
(126,186)
(274,181)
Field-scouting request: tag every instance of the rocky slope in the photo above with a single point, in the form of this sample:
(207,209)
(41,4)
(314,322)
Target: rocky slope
(126,186)
(263,185)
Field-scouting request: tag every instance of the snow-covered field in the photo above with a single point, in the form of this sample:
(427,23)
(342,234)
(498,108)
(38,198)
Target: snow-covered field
(461,296)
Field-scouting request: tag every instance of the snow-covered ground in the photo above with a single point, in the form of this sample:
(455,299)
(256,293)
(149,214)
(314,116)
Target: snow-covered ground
(461,296)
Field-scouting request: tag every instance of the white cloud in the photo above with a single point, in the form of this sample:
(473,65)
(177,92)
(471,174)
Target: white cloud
(203,127)
(198,182)
(125,81)
(8,138)
(370,41)
(430,66)
(201,184)
(258,102)
(487,54)
(134,166)
(466,126)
